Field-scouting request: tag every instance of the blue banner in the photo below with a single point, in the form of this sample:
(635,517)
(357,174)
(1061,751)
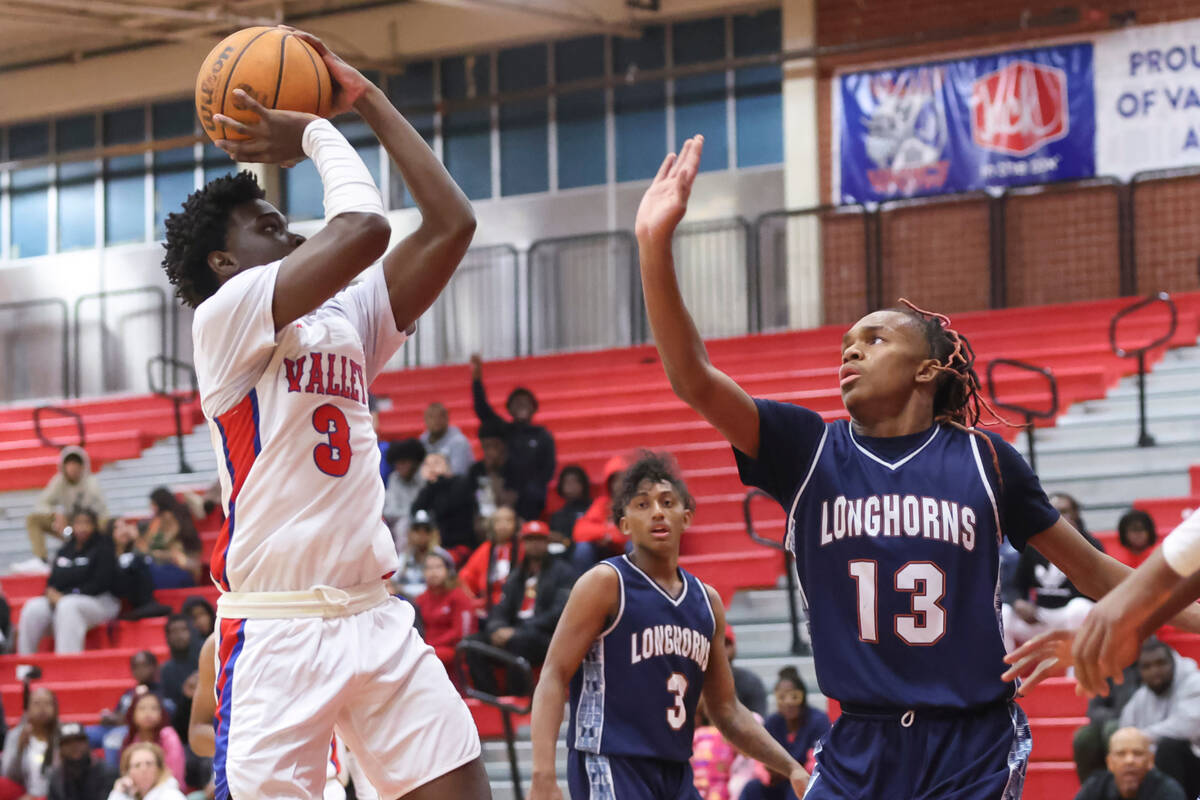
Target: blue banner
(1006,119)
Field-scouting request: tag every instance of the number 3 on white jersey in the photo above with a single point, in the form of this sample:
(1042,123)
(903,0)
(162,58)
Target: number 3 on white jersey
(927,584)
(677,685)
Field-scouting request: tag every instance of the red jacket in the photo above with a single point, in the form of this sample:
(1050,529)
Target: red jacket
(474,573)
(449,615)
(597,521)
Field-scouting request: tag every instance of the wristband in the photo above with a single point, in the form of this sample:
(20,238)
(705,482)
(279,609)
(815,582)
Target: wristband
(1181,548)
(349,187)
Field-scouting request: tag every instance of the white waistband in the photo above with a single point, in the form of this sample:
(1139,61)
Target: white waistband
(320,601)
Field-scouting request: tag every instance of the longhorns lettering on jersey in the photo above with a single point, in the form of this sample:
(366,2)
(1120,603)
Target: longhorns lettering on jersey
(895,515)
(666,640)
(328,374)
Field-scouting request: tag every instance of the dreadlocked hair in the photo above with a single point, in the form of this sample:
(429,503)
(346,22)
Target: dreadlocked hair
(958,398)
(200,229)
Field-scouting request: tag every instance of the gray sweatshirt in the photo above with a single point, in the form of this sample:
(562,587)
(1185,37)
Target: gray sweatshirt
(1174,714)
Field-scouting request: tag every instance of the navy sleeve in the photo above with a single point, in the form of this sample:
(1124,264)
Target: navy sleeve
(1025,511)
(787,440)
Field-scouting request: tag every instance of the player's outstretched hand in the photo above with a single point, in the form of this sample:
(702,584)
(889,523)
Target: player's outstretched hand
(349,85)
(1049,651)
(799,780)
(274,139)
(665,202)
(1105,644)
(476,366)
(545,787)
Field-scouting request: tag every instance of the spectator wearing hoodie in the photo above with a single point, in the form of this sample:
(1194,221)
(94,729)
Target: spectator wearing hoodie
(448,613)
(78,593)
(576,491)
(77,776)
(1167,709)
(530,447)
(595,535)
(487,569)
(450,499)
(72,487)
(1137,536)
(442,437)
(403,485)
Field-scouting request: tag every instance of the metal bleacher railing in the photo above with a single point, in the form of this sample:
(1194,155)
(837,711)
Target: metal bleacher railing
(1139,352)
(1030,413)
(518,669)
(798,646)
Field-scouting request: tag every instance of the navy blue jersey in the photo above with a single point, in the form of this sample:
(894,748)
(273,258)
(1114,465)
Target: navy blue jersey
(897,547)
(636,691)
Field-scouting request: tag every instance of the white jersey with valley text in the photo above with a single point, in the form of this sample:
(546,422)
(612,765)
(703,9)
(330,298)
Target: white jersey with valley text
(297,455)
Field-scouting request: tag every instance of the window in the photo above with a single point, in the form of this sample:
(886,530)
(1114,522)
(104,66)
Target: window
(524,143)
(174,170)
(216,162)
(29,213)
(412,93)
(700,99)
(124,178)
(76,184)
(467,132)
(582,136)
(640,108)
(758,98)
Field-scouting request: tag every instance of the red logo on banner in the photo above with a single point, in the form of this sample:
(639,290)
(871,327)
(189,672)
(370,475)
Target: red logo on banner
(1019,108)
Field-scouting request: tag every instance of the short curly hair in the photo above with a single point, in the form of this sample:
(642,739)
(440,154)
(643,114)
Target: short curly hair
(200,229)
(653,467)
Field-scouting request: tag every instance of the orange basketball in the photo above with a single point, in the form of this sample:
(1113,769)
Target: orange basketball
(275,67)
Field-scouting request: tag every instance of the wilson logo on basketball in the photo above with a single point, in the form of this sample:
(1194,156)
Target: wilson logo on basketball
(1019,108)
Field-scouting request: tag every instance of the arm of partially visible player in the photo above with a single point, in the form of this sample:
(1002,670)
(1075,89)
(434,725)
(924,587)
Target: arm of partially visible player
(592,604)
(736,722)
(201,735)
(693,378)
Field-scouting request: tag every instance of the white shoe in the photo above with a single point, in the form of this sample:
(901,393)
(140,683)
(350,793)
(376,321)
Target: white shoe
(30,566)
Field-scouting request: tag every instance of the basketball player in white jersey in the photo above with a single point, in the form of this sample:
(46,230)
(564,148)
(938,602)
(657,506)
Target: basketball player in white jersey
(309,639)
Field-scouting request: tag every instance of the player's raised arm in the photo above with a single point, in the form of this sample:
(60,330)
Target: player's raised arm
(591,606)
(201,734)
(736,723)
(418,268)
(693,377)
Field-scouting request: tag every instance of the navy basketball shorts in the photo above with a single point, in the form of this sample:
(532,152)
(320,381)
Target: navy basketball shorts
(975,754)
(604,777)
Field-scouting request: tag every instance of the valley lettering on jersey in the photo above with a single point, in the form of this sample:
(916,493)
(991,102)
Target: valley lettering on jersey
(667,640)
(326,373)
(898,515)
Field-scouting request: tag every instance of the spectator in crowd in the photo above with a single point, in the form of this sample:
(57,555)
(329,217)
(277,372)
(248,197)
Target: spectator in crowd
(576,492)
(1137,535)
(1166,707)
(1131,774)
(31,749)
(523,621)
(450,499)
(132,580)
(184,659)
(110,733)
(72,487)
(5,624)
(1043,599)
(596,536)
(375,404)
(422,539)
(712,759)
(448,613)
(78,593)
(746,685)
(403,485)
(492,476)
(145,775)
(1090,744)
(77,776)
(148,722)
(530,447)
(174,545)
(442,437)
(202,614)
(488,567)
(797,726)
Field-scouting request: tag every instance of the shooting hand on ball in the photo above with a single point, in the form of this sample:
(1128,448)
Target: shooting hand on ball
(275,139)
(349,85)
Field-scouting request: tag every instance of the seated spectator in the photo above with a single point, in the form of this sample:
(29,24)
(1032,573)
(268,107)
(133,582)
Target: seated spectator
(202,614)
(448,613)
(31,749)
(523,621)
(174,545)
(488,567)
(492,476)
(530,447)
(1044,598)
(78,593)
(422,538)
(1166,707)
(145,775)
(576,491)
(184,647)
(442,437)
(746,684)
(712,759)
(596,535)
(72,487)
(110,733)
(403,485)
(1131,773)
(1090,743)
(149,723)
(78,776)
(1136,532)
(132,581)
(451,500)
(797,726)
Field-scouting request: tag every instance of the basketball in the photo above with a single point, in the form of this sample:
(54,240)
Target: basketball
(274,66)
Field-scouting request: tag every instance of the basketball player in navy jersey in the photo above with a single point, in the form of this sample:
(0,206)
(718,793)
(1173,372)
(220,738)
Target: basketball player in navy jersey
(640,642)
(895,520)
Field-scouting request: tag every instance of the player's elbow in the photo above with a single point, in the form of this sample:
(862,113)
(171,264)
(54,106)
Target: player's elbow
(368,231)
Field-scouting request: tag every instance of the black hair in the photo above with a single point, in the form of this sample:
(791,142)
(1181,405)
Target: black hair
(792,676)
(517,392)
(492,429)
(405,450)
(199,229)
(188,536)
(88,512)
(1136,515)
(579,472)
(196,600)
(653,467)
(1154,643)
(72,456)
(141,655)
(177,617)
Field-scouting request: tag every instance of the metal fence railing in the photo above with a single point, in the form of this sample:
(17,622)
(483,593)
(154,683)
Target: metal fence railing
(32,331)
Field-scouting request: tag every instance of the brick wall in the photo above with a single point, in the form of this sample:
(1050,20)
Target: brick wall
(1059,247)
